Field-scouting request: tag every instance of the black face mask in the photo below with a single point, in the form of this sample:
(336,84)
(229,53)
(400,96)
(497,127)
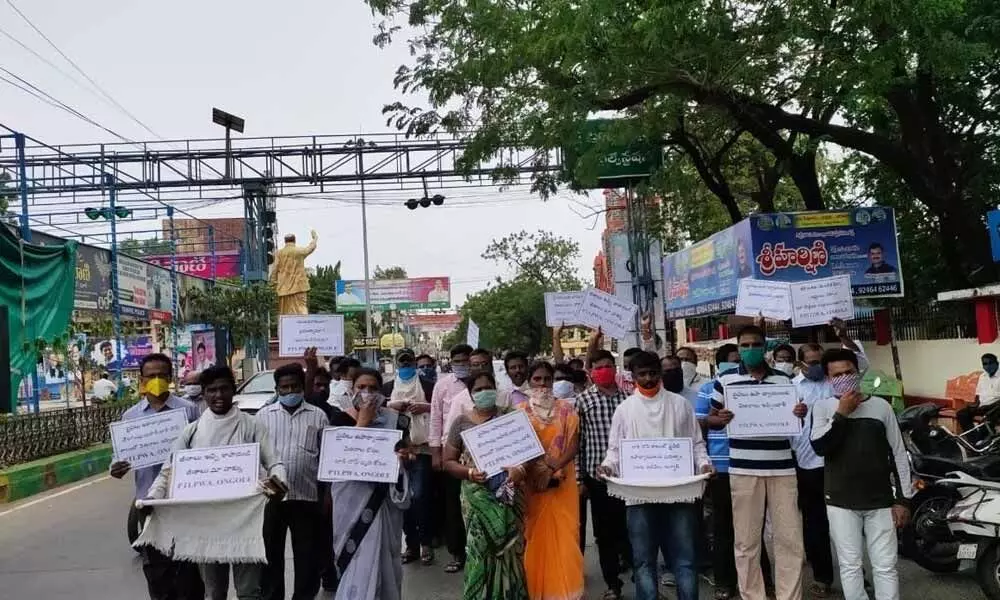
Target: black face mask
(673,380)
(318,398)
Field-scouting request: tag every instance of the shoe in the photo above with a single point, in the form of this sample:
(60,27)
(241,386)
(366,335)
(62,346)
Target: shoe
(821,590)
(612,595)
(426,556)
(725,594)
(707,578)
(668,580)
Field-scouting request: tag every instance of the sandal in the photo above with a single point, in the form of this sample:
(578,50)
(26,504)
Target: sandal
(612,595)
(723,594)
(454,566)
(409,556)
(426,556)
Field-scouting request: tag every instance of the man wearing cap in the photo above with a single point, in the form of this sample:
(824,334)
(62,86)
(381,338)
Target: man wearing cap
(411,394)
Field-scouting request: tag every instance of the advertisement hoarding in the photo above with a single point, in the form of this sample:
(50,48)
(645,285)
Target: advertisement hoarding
(434,323)
(394,294)
(132,290)
(704,278)
(93,273)
(859,242)
(227,264)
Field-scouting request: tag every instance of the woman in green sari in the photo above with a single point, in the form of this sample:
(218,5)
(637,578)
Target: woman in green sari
(493,507)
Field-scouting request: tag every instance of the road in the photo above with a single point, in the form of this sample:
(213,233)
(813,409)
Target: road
(71,544)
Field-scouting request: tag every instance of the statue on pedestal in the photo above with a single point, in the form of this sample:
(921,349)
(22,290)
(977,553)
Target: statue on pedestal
(289,276)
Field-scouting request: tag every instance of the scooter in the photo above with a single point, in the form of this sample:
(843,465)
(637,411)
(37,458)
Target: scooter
(974,522)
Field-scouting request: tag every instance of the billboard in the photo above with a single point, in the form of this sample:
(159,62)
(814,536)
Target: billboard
(192,235)
(434,323)
(132,290)
(227,264)
(860,242)
(394,294)
(93,273)
(704,278)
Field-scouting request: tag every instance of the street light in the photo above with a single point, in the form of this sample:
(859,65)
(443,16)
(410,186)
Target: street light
(231,123)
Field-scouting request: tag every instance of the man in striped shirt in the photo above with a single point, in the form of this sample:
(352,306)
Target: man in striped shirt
(294,428)
(762,476)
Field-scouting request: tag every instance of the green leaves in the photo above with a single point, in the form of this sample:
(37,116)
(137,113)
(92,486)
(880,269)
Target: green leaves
(243,311)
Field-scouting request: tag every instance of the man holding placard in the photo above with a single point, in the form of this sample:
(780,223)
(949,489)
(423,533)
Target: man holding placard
(761,466)
(664,518)
(165,578)
(223,424)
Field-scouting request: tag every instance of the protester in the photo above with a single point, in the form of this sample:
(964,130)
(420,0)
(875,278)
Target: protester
(495,506)
(447,387)
(166,579)
(784,359)
(368,517)
(672,525)
(409,394)
(868,484)
(552,559)
(762,478)
(294,428)
(427,369)
(342,393)
(693,380)
(596,407)
(515,364)
(577,365)
(624,377)
(223,424)
(563,387)
(813,388)
(987,396)
(672,376)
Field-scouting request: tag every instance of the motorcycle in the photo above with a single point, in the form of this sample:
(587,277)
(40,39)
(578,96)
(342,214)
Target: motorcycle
(934,453)
(974,523)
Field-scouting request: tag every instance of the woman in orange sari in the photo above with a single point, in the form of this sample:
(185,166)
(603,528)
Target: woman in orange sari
(553,562)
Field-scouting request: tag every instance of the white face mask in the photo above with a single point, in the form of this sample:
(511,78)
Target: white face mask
(563,389)
(690,371)
(192,390)
(341,388)
(785,367)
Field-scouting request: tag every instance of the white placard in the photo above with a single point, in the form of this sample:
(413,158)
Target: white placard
(763,410)
(614,316)
(472,335)
(298,332)
(505,441)
(562,308)
(770,299)
(147,441)
(818,301)
(215,473)
(657,459)
(359,454)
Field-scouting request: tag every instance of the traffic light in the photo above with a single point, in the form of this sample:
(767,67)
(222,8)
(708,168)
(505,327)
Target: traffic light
(413,203)
(269,250)
(268,236)
(96,213)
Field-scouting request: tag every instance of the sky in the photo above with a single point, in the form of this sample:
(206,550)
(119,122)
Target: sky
(298,67)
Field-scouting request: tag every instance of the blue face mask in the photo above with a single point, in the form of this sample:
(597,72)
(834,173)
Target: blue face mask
(406,373)
(290,400)
(428,373)
(726,366)
(460,371)
(485,399)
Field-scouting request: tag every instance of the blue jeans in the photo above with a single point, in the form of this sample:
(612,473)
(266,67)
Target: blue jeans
(671,528)
(418,520)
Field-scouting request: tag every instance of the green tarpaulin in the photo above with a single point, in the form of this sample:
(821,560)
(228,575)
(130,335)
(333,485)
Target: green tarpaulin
(36,286)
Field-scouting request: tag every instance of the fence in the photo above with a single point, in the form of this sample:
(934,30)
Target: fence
(951,321)
(24,438)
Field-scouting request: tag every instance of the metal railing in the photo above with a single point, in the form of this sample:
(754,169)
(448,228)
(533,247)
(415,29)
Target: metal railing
(24,438)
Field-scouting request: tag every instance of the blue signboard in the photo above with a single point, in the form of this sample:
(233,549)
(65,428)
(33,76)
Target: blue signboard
(704,278)
(860,242)
(993,220)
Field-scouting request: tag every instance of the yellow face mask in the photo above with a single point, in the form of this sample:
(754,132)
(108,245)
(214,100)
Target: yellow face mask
(156,386)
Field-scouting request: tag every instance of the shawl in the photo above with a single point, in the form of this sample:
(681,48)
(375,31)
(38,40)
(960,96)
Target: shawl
(206,531)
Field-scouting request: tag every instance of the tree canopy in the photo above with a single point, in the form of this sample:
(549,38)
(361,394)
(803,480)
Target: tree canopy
(243,311)
(762,93)
(145,247)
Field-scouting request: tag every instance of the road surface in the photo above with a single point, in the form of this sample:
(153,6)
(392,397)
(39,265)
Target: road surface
(71,544)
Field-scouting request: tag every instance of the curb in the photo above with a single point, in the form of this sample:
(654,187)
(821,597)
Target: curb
(22,481)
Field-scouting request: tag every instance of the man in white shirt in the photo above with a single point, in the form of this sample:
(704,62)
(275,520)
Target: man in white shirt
(104,388)
(987,396)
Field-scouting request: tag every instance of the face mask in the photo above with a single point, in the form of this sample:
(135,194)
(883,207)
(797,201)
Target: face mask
(690,371)
(722,367)
(428,373)
(406,373)
(785,367)
(846,383)
(485,399)
(673,380)
(290,399)
(340,388)
(367,399)
(814,372)
(460,371)
(752,357)
(603,376)
(650,392)
(627,375)
(991,368)
(192,390)
(541,396)
(563,389)
(157,387)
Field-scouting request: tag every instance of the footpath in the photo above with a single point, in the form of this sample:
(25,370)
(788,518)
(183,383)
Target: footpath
(22,481)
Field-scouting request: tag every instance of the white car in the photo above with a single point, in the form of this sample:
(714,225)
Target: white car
(255,392)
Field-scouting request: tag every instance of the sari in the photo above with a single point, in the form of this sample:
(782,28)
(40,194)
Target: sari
(553,562)
(368,531)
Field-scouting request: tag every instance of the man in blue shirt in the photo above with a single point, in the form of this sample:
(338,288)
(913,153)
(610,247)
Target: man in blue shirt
(166,579)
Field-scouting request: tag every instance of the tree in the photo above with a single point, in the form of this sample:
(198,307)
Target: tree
(322,286)
(913,86)
(389,273)
(244,312)
(7,192)
(145,247)
(540,257)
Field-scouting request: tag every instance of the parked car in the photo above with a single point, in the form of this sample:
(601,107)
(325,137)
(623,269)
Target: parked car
(255,392)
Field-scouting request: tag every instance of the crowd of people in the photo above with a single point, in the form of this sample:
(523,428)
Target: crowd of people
(519,534)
